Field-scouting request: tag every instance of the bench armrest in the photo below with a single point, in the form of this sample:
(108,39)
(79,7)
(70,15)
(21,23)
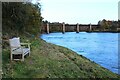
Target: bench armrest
(25,43)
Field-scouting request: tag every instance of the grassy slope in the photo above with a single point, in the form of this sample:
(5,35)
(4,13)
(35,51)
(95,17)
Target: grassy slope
(48,60)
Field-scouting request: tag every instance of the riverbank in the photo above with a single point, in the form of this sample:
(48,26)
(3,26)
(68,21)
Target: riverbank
(51,61)
(90,45)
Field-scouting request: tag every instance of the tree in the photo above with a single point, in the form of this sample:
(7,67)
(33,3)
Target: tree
(105,24)
(21,17)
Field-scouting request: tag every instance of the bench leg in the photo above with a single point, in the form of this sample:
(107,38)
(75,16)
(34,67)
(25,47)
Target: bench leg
(29,54)
(22,57)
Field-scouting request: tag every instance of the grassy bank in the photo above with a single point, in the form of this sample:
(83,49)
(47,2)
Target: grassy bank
(51,61)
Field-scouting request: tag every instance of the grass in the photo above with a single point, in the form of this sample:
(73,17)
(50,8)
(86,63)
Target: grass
(51,61)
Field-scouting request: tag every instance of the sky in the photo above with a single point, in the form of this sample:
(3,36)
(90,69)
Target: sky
(79,11)
(119,11)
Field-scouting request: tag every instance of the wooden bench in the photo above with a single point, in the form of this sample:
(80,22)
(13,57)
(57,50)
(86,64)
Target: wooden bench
(18,48)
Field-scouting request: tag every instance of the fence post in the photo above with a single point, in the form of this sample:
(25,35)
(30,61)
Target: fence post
(77,28)
(47,28)
(63,28)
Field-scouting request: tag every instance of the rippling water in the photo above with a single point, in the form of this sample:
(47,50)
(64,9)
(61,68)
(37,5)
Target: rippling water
(101,48)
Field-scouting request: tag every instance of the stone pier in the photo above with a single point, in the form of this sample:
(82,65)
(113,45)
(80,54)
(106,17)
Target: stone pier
(90,27)
(63,28)
(77,28)
(48,28)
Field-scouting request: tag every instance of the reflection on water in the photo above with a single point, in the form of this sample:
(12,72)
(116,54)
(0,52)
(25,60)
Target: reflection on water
(101,48)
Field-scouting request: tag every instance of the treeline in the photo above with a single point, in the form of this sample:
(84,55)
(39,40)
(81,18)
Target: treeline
(19,17)
(109,25)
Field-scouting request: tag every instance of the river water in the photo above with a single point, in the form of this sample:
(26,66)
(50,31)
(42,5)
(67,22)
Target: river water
(101,48)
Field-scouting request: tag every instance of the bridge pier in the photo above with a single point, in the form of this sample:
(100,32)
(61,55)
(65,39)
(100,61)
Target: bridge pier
(90,27)
(63,28)
(48,28)
(77,28)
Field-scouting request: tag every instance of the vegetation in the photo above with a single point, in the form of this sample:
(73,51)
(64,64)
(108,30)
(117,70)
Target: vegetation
(109,25)
(21,17)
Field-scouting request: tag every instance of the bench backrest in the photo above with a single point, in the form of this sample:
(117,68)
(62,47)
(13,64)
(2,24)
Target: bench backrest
(14,42)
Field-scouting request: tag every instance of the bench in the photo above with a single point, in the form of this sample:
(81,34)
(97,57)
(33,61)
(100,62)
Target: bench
(17,48)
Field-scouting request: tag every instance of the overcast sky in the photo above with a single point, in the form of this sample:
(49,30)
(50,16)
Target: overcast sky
(79,11)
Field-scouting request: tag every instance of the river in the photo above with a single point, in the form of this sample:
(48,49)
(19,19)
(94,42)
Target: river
(101,48)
